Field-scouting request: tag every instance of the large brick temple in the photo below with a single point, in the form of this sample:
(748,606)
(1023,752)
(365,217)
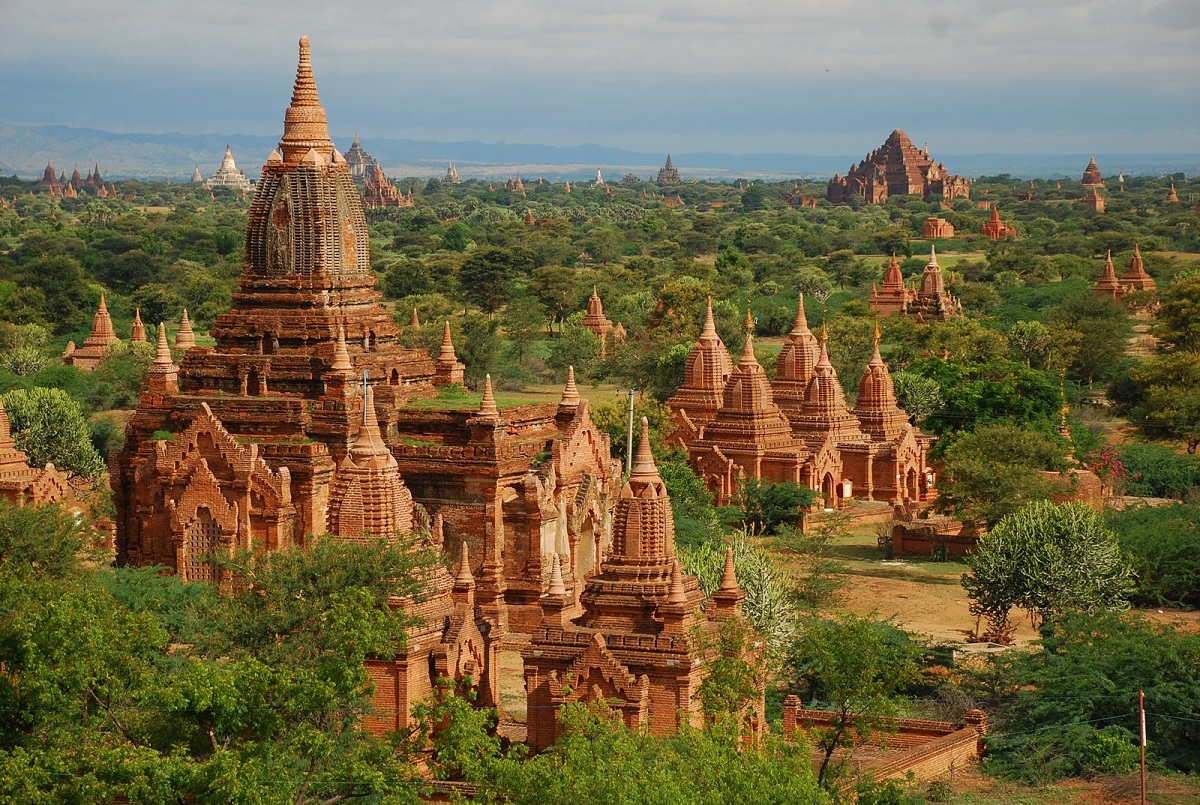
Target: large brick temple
(897,168)
(301,421)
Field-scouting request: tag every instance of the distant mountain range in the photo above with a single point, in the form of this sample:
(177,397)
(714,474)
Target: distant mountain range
(25,150)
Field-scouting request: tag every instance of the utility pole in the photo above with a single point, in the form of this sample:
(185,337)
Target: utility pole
(1142,726)
(629,434)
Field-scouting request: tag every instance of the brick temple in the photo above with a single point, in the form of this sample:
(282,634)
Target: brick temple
(642,642)
(897,168)
(300,421)
(737,425)
(929,301)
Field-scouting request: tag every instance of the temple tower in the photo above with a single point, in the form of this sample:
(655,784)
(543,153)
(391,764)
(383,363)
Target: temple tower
(636,646)
(878,414)
(1136,278)
(893,296)
(1109,285)
(794,366)
(707,369)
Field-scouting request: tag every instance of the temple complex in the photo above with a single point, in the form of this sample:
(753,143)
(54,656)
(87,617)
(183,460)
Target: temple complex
(451,176)
(21,484)
(897,168)
(810,437)
(929,302)
(937,229)
(229,176)
(379,193)
(97,346)
(641,644)
(996,229)
(668,174)
(361,164)
(1091,175)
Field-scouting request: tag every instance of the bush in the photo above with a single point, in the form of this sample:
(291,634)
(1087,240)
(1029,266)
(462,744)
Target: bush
(1155,470)
(1163,545)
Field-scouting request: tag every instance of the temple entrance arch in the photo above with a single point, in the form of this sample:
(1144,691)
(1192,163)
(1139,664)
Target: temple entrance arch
(200,542)
(911,484)
(829,491)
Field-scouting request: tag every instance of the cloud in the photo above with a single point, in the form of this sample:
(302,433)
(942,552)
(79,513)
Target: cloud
(520,67)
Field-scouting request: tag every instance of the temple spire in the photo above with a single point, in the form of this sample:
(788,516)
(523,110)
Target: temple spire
(800,327)
(570,395)
(464,576)
(487,405)
(137,332)
(557,587)
(643,463)
(162,355)
(729,574)
(447,351)
(676,594)
(710,326)
(341,356)
(305,126)
(185,338)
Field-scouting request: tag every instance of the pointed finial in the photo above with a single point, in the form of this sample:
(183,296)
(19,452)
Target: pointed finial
(801,323)
(304,124)
(557,587)
(570,395)
(676,594)
(710,326)
(933,251)
(487,405)
(162,354)
(464,576)
(341,356)
(643,462)
(446,354)
(748,320)
(748,350)
(729,574)
(415,321)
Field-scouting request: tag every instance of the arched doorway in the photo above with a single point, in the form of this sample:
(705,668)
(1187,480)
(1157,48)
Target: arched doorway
(253,383)
(829,491)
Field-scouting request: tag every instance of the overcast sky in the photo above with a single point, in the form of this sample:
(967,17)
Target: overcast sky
(739,76)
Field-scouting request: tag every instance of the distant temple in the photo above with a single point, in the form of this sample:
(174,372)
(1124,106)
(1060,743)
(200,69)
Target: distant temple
(361,164)
(97,346)
(378,192)
(898,168)
(668,174)
(451,176)
(1091,175)
(598,323)
(1093,199)
(197,177)
(60,185)
(930,302)
(599,178)
(1172,196)
(937,229)
(996,229)
(229,176)
(1135,279)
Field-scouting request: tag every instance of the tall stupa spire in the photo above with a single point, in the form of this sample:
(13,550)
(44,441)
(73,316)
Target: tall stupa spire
(304,124)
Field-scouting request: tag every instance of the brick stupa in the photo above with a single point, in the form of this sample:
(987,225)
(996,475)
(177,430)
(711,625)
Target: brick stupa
(996,229)
(794,365)
(1109,285)
(1091,175)
(97,346)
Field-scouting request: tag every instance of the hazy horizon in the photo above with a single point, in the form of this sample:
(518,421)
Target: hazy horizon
(778,76)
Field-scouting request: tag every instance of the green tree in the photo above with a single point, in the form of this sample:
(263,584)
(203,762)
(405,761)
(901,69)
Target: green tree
(1030,339)
(1163,547)
(522,320)
(918,396)
(50,426)
(1071,709)
(1046,559)
(766,507)
(487,275)
(578,347)
(1103,326)
(1177,320)
(1170,398)
(856,668)
(996,469)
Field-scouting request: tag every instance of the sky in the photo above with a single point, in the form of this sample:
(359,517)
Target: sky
(821,77)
